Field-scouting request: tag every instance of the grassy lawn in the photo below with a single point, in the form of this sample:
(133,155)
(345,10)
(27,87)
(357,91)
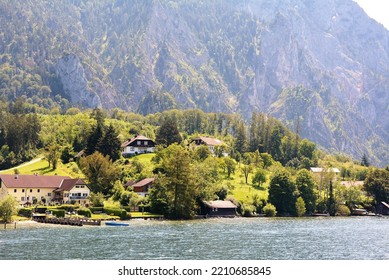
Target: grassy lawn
(244,192)
(42,167)
(145,160)
(144,215)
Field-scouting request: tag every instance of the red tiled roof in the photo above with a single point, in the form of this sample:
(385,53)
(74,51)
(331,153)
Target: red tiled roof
(32,181)
(68,184)
(143,182)
(139,137)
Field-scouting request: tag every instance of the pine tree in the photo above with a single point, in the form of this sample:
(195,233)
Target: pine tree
(365,161)
(331,203)
(168,133)
(109,144)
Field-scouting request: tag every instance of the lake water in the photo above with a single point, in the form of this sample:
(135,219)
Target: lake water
(351,238)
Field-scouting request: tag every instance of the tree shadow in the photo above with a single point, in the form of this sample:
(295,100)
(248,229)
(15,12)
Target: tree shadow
(43,170)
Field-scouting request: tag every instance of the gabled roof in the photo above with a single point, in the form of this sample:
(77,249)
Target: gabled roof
(129,183)
(32,181)
(69,184)
(319,170)
(210,141)
(220,204)
(136,138)
(143,182)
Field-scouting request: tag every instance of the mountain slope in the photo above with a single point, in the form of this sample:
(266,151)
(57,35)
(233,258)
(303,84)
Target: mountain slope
(322,65)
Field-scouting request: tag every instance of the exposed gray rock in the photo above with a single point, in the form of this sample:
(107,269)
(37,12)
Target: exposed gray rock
(75,84)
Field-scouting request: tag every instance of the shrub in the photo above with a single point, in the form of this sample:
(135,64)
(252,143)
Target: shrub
(343,210)
(269,210)
(116,212)
(84,212)
(59,213)
(25,212)
(300,207)
(248,210)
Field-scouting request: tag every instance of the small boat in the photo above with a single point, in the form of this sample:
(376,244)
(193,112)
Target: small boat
(320,215)
(116,224)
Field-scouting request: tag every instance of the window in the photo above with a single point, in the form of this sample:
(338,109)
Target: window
(39,190)
(15,190)
(30,190)
(145,143)
(49,194)
(22,190)
(139,143)
(22,199)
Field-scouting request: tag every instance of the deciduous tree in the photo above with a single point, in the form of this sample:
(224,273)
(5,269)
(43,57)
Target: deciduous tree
(8,207)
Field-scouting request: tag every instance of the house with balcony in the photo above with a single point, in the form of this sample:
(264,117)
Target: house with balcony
(138,145)
(72,191)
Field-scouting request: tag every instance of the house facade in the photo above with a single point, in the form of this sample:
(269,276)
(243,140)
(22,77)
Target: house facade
(328,174)
(211,143)
(72,191)
(142,187)
(218,208)
(27,188)
(138,145)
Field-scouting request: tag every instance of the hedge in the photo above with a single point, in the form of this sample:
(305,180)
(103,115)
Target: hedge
(116,212)
(25,212)
(59,213)
(84,212)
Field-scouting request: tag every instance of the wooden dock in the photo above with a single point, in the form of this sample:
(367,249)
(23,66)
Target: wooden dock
(67,221)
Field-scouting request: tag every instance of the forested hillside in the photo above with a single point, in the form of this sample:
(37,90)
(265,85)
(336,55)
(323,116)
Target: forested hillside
(219,56)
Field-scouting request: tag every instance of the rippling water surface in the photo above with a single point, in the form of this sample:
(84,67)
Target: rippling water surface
(352,238)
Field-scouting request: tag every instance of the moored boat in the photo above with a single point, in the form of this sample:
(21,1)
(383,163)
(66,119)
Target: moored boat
(116,224)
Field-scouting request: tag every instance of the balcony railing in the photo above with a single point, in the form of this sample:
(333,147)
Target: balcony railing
(78,197)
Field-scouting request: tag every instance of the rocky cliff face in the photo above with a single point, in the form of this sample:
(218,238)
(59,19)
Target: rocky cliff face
(75,85)
(323,63)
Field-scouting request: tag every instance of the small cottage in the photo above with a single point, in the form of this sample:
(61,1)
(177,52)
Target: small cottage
(137,145)
(142,187)
(211,143)
(218,208)
(382,208)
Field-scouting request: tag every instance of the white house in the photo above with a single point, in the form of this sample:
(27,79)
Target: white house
(211,143)
(138,145)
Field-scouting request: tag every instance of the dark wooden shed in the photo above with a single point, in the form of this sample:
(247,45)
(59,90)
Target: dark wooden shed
(218,208)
